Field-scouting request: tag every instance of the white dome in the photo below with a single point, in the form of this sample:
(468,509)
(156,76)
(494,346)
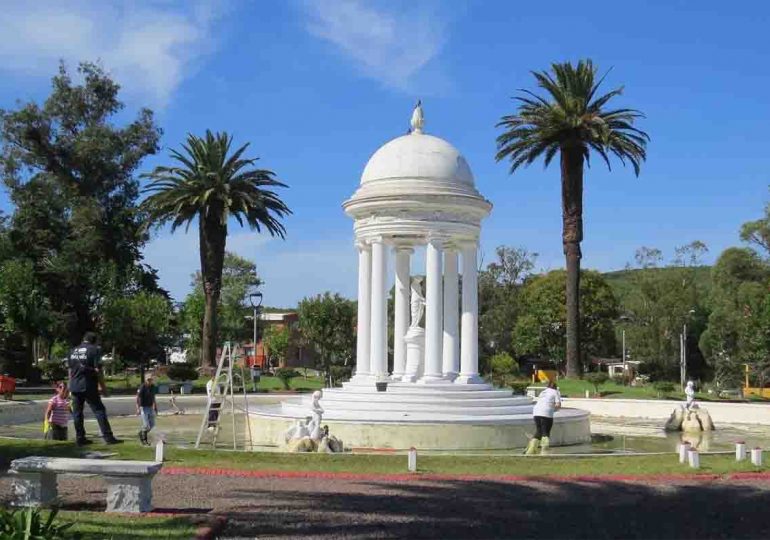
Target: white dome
(418,156)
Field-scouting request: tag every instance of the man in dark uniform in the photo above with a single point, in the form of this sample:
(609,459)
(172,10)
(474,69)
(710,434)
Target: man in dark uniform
(85,382)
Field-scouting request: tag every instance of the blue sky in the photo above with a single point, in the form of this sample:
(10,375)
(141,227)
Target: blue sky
(317,86)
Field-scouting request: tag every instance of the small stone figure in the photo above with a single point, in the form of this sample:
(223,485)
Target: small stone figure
(314,426)
(417,302)
(689,392)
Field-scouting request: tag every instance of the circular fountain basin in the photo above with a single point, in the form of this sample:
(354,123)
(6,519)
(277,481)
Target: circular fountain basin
(440,416)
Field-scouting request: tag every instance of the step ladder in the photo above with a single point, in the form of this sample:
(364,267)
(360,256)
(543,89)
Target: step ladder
(222,391)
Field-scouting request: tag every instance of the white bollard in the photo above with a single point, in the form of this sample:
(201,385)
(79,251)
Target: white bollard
(588,393)
(740,451)
(694,458)
(756,457)
(412,460)
(683,449)
(159,451)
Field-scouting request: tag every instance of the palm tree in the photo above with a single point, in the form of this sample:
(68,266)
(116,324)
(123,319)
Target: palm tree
(213,184)
(572,121)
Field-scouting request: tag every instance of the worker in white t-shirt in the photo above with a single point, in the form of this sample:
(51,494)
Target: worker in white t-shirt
(548,402)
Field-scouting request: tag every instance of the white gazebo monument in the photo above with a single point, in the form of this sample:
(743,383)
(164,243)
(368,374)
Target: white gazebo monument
(418,191)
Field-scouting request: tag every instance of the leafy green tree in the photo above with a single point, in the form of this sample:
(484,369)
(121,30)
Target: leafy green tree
(70,174)
(327,322)
(239,278)
(213,184)
(757,232)
(276,339)
(540,329)
(573,120)
(500,285)
(739,322)
(137,326)
(597,379)
(23,304)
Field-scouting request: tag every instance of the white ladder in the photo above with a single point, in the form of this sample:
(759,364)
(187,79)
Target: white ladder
(225,373)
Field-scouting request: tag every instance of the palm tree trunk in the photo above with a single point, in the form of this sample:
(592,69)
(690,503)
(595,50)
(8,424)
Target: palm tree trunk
(572,235)
(213,236)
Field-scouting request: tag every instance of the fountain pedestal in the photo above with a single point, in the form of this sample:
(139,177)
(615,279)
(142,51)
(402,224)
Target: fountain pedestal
(415,354)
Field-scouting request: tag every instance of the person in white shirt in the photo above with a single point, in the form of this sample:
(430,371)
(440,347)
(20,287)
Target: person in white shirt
(548,402)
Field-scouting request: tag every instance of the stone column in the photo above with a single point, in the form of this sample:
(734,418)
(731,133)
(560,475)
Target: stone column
(379,335)
(433,312)
(363,370)
(401,310)
(451,352)
(469,341)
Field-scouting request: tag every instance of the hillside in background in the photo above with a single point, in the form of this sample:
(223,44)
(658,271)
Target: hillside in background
(622,281)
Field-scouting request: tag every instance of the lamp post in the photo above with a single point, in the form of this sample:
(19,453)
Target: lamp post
(255,299)
(624,319)
(683,351)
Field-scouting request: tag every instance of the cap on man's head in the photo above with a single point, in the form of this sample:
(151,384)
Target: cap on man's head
(89,337)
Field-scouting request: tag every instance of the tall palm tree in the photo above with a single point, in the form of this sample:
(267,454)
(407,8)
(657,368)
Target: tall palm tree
(572,120)
(213,184)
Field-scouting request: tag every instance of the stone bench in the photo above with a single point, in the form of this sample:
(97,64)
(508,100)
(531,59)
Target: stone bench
(129,483)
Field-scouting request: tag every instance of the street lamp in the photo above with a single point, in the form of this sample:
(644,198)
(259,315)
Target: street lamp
(683,351)
(255,299)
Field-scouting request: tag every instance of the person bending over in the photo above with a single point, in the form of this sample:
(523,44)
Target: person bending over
(548,402)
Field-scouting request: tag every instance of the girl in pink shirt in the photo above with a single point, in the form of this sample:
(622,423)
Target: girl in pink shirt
(58,413)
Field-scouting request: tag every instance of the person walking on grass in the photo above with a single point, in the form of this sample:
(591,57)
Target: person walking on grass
(548,402)
(146,408)
(57,414)
(86,380)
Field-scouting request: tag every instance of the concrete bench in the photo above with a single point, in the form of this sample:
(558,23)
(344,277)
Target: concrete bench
(129,483)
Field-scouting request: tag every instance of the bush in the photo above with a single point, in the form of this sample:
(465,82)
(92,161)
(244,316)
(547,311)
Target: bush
(663,388)
(519,387)
(182,372)
(286,375)
(502,367)
(29,524)
(53,370)
(596,379)
(340,373)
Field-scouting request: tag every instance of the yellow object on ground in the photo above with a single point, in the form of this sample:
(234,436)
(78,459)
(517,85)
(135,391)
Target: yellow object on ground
(532,447)
(545,375)
(545,443)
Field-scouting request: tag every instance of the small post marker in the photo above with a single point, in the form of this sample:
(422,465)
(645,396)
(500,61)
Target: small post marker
(740,451)
(694,458)
(756,457)
(412,460)
(159,451)
(683,449)
(588,394)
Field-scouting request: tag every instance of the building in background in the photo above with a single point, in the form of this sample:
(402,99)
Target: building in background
(297,355)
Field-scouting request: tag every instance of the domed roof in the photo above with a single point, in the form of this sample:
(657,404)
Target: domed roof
(418,156)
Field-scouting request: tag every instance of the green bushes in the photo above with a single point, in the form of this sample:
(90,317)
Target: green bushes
(182,372)
(53,370)
(503,369)
(596,379)
(28,524)
(663,388)
(286,375)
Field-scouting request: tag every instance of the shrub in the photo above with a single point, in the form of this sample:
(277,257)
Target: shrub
(596,379)
(519,387)
(663,387)
(502,367)
(53,370)
(286,375)
(29,524)
(340,373)
(182,372)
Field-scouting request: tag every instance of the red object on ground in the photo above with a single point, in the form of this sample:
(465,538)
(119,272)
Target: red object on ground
(7,386)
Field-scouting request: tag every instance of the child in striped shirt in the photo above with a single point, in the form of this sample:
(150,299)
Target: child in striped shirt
(58,413)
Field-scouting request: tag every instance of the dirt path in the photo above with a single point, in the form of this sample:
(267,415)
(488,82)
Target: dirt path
(325,508)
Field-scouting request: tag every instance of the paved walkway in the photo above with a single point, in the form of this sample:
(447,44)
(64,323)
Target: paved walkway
(363,507)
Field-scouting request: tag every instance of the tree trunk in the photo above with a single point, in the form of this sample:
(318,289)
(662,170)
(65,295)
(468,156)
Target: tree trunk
(213,236)
(572,235)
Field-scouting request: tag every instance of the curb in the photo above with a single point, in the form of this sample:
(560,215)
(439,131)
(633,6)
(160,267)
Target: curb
(408,477)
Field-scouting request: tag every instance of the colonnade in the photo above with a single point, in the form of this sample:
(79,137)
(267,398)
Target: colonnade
(451,345)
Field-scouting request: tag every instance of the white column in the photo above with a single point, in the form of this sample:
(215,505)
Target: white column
(469,341)
(401,310)
(364,310)
(433,312)
(379,334)
(451,352)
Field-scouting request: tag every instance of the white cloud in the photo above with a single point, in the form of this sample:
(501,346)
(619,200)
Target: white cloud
(290,271)
(150,49)
(390,45)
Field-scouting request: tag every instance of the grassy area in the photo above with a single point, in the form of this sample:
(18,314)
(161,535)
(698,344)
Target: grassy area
(611,389)
(99,525)
(513,464)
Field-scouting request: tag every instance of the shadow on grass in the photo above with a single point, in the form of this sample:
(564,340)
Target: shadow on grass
(488,509)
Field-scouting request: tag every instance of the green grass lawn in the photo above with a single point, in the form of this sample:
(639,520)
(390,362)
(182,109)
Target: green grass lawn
(99,525)
(514,464)
(576,388)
